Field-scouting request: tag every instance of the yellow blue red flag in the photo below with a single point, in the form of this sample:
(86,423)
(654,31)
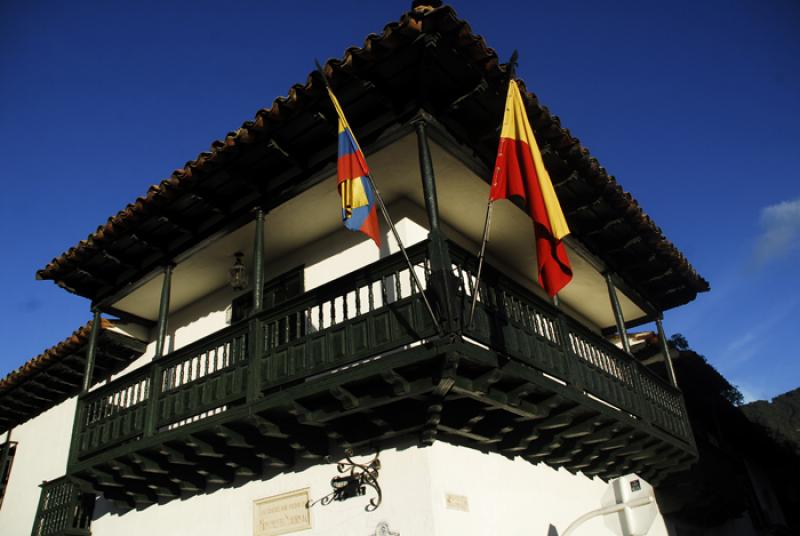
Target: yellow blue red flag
(359,211)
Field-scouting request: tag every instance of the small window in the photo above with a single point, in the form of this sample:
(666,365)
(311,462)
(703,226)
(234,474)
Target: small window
(276,291)
(5,471)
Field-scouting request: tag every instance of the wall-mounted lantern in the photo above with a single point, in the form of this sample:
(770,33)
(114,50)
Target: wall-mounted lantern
(237,275)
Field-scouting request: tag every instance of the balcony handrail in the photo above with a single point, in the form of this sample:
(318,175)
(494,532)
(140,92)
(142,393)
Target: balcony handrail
(495,274)
(492,273)
(113,386)
(332,289)
(319,294)
(169,390)
(202,344)
(645,370)
(363,274)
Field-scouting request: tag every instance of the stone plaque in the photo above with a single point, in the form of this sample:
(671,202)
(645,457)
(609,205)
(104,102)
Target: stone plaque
(457,502)
(281,514)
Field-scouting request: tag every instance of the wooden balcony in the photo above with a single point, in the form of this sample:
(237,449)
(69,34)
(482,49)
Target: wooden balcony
(63,510)
(359,362)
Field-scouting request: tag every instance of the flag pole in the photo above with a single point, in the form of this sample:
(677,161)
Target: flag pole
(512,68)
(477,288)
(390,223)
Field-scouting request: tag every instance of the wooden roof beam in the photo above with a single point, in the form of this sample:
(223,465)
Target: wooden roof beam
(146,240)
(602,228)
(116,260)
(296,161)
(376,88)
(53,378)
(11,409)
(207,200)
(181,226)
(103,280)
(44,389)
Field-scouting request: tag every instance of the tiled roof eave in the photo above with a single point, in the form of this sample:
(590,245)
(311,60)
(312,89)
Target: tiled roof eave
(374,49)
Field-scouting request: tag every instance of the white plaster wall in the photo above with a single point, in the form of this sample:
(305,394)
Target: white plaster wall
(512,497)
(42,450)
(406,505)
(505,497)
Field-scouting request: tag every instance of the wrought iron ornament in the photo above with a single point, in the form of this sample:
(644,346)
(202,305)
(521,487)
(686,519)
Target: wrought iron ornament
(353,482)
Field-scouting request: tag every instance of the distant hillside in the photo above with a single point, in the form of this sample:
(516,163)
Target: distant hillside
(781,417)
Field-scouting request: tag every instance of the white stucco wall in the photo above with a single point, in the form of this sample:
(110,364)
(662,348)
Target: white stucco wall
(42,450)
(512,497)
(505,497)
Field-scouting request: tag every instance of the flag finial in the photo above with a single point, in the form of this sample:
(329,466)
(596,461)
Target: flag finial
(512,65)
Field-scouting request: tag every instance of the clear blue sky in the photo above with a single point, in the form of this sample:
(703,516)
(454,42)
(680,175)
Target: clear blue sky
(691,105)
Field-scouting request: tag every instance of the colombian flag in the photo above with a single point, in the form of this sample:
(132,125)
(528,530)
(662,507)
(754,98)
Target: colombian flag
(519,174)
(355,188)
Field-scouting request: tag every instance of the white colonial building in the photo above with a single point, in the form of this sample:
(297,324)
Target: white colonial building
(207,408)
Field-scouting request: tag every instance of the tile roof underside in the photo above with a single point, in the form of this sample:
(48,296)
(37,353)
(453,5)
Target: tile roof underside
(602,215)
(57,373)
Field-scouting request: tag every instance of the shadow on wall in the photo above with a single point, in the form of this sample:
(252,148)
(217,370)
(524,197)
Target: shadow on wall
(552,531)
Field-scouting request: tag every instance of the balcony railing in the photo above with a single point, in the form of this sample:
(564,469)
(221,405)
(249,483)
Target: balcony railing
(284,363)
(369,312)
(63,510)
(512,320)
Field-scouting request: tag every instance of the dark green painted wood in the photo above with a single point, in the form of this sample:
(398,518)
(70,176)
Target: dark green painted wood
(91,351)
(63,510)
(255,327)
(150,423)
(442,283)
(342,366)
(163,311)
(618,317)
(427,175)
(3,462)
(258,263)
(662,339)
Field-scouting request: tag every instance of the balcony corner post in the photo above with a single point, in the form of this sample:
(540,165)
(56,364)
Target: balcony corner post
(151,413)
(88,373)
(91,351)
(618,317)
(255,335)
(258,262)
(662,338)
(573,372)
(163,311)
(442,281)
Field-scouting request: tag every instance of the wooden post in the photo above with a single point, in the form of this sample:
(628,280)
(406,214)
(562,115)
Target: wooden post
(91,351)
(163,311)
(428,177)
(4,457)
(573,370)
(665,349)
(258,263)
(442,282)
(151,412)
(255,343)
(88,373)
(620,320)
